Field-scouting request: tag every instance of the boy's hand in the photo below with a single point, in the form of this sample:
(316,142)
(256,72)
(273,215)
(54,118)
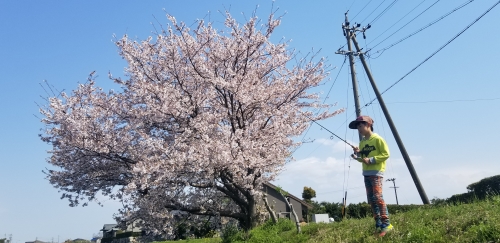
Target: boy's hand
(366,161)
(355,149)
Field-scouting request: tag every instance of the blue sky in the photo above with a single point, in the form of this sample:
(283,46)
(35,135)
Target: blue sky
(446,111)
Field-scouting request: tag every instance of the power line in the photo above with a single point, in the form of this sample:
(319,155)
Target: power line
(421,29)
(442,101)
(351,5)
(345,183)
(379,125)
(372,12)
(361,9)
(383,12)
(398,21)
(446,44)
(334,81)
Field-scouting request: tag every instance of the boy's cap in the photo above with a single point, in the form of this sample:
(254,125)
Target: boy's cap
(354,124)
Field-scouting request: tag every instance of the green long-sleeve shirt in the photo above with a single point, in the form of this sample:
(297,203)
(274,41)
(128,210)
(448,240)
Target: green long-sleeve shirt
(377,150)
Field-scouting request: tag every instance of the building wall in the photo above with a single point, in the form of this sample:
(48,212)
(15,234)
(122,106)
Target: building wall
(276,201)
(297,206)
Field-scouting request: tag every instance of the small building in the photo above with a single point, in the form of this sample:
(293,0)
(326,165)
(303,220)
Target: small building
(109,231)
(281,208)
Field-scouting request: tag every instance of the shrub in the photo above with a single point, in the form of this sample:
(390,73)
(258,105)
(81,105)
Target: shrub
(485,187)
(231,233)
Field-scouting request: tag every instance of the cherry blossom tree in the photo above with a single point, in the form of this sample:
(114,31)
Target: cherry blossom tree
(202,120)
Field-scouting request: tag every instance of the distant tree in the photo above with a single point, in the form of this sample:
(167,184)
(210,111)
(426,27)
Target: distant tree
(486,187)
(438,201)
(482,189)
(204,116)
(359,210)
(467,197)
(308,194)
(334,210)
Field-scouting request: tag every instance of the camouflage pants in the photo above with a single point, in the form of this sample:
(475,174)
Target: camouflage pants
(373,185)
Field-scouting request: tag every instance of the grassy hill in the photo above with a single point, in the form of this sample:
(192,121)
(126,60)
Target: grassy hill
(474,222)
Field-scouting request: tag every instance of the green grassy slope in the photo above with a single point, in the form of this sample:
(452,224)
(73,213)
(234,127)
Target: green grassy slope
(475,222)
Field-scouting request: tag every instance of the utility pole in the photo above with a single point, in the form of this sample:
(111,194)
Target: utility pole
(401,146)
(350,33)
(394,182)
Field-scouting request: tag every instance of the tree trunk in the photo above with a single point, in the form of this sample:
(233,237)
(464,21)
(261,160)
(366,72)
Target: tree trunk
(269,209)
(250,219)
(297,223)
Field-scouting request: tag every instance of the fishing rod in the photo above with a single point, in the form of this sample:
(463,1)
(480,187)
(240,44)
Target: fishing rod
(343,140)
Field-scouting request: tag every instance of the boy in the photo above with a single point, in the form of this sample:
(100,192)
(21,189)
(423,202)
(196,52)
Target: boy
(373,152)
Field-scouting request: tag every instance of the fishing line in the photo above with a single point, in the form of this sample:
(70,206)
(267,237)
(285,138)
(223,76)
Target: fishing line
(343,140)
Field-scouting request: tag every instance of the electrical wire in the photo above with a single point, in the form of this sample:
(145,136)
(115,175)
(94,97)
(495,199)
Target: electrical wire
(419,30)
(438,50)
(361,9)
(391,169)
(345,183)
(372,12)
(383,12)
(351,5)
(398,21)
(441,101)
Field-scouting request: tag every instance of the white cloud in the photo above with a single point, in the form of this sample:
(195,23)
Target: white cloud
(331,175)
(336,146)
(328,177)
(398,161)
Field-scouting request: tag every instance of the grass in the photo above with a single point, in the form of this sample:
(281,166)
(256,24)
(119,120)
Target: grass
(474,222)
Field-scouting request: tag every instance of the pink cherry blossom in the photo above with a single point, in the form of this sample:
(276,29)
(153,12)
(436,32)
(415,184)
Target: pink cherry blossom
(204,118)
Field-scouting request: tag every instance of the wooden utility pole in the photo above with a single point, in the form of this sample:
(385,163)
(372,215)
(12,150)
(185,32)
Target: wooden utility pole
(401,146)
(350,33)
(395,192)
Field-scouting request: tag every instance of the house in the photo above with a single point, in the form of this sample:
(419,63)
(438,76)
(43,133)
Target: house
(109,230)
(277,202)
(275,199)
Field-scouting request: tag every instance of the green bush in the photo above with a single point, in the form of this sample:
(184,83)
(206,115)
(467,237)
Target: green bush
(271,232)
(358,211)
(180,231)
(394,208)
(486,187)
(231,233)
(206,230)
(334,210)
(285,225)
(127,234)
